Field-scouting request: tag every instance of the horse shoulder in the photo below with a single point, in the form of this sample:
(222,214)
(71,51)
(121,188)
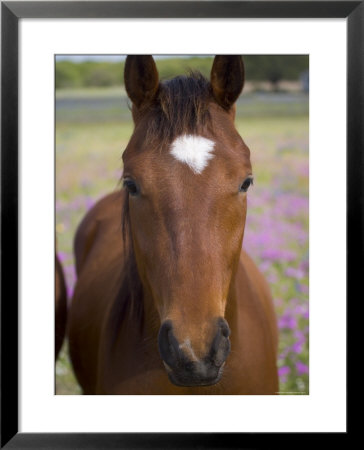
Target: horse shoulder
(254,336)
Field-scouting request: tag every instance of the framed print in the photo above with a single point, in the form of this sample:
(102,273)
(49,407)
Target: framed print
(36,37)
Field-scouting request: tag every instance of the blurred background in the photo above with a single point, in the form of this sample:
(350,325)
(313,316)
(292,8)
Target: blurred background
(93,126)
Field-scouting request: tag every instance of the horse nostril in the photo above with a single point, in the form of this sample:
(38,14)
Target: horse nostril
(168,345)
(221,351)
(225,330)
(221,344)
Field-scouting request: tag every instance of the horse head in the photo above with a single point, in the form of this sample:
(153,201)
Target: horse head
(186,176)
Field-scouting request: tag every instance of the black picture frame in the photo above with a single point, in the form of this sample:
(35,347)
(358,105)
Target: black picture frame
(11,12)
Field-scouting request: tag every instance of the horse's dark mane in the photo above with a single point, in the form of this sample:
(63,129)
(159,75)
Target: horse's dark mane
(129,299)
(132,279)
(180,107)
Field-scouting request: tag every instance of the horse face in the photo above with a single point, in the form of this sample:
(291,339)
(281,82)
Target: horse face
(187,209)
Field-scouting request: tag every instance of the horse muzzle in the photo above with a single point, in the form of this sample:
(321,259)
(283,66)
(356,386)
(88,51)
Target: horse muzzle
(182,369)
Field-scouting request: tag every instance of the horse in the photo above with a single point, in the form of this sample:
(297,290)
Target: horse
(60,306)
(166,300)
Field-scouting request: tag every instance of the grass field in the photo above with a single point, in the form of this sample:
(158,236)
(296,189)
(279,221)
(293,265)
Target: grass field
(93,128)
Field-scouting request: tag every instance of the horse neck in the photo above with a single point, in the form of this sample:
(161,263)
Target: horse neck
(231,312)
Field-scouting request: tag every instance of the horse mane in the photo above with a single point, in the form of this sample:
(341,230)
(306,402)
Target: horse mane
(129,298)
(131,276)
(180,107)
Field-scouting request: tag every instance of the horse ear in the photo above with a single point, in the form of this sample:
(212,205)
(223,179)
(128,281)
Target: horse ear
(227,79)
(141,79)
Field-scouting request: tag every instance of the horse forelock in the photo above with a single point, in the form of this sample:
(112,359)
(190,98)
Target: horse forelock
(181,107)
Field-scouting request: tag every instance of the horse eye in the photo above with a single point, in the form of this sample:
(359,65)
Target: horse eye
(130,186)
(245,186)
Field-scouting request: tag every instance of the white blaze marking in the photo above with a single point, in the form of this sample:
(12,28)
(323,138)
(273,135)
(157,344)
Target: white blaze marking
(186,345)
(195,151)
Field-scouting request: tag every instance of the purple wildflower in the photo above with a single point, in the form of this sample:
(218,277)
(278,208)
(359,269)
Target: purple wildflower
(285,370)
(294,273)
(287,321)
(301,368)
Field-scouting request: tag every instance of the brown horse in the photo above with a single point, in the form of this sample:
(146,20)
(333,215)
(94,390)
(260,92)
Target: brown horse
(166,301)
(60,307)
